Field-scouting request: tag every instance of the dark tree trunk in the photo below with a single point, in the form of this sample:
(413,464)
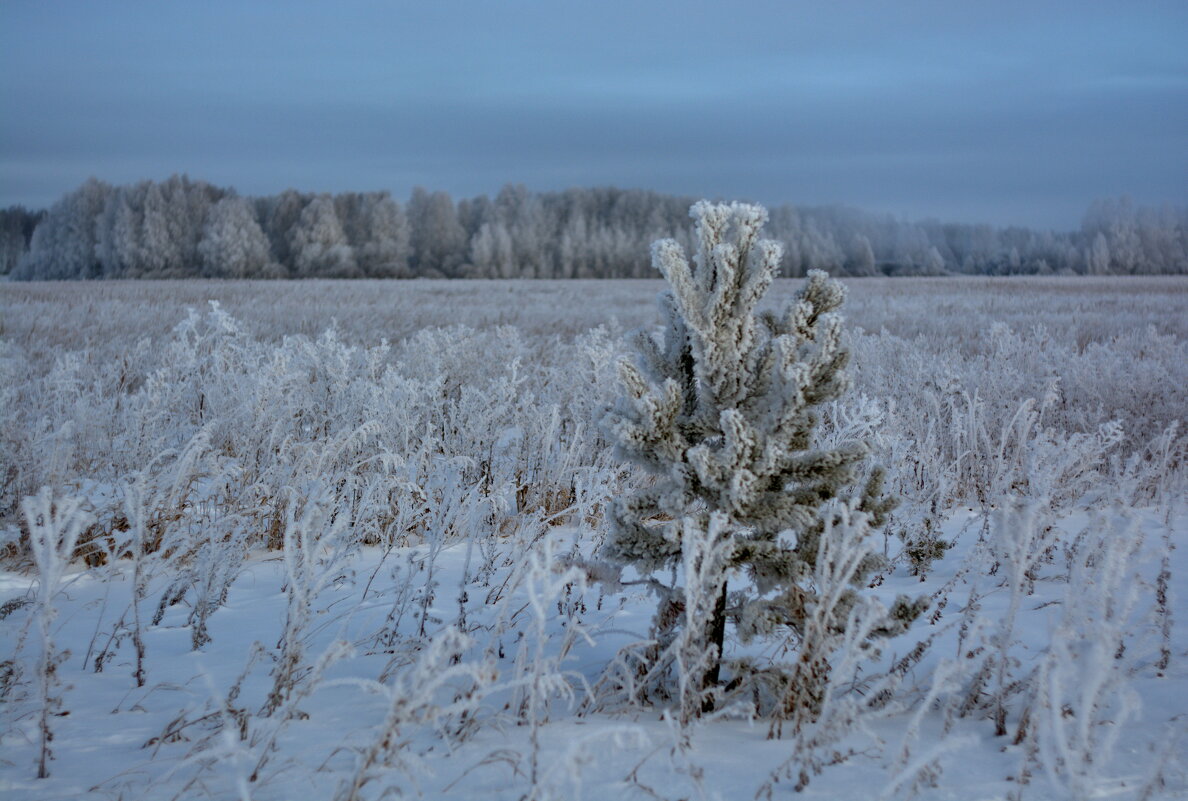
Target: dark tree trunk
(717,638)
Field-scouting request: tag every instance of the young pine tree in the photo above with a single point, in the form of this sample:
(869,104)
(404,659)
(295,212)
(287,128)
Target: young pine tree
(722,412)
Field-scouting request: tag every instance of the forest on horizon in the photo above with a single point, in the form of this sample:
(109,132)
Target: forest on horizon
(184,228)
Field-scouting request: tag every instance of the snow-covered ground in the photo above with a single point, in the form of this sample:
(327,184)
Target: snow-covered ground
(331,568)
(174,734)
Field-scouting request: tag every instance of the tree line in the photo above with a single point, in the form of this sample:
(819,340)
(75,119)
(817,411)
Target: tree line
(182,228)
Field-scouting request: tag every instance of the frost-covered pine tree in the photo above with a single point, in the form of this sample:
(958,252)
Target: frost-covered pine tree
(722,412)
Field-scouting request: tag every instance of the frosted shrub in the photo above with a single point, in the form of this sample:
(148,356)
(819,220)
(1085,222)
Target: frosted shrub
(1077,696)
(1083,696)
(539,677)
(434,692)
(313,551)
(722,413)
(53,530)
(137,546)
(199,533)
(1024,537)
(14,374)
(813,696)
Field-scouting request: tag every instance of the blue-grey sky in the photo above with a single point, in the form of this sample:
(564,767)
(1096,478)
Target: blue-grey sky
(1001,112)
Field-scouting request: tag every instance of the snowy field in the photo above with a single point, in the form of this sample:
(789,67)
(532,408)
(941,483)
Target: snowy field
(325,540)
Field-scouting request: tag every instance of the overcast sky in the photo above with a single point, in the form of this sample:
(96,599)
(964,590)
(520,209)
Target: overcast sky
(996,112)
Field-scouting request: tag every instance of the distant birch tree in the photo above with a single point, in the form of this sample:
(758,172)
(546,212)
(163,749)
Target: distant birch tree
(233,244)
(319,245)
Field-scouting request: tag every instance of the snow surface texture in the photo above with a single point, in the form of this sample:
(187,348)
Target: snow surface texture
(326,567)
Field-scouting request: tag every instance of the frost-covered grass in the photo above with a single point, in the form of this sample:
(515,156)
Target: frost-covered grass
(1076,311)
(314,564)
